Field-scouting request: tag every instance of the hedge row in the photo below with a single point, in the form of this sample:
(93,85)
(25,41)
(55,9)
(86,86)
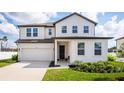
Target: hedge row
(97,67)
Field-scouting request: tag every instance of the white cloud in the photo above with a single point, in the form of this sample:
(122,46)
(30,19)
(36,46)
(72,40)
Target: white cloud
(11,44)
(21,18)
(7,27)
(111,28)
(30,17)
(91,15)
(2,19)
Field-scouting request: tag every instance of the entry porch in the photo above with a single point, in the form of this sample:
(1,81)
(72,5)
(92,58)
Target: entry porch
(62,52)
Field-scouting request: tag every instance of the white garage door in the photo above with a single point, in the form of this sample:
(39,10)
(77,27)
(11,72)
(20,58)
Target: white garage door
(41,54)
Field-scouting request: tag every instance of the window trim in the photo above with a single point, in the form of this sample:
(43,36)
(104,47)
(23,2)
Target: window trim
(99,49)
(80,48)
(73,29)
(35,32)
(28,32)
(50,31)
(86,30)
(65,29)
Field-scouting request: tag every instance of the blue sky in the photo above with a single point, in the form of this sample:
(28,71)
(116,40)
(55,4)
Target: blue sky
(109,23)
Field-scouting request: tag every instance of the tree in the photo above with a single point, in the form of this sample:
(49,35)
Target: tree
(4,43)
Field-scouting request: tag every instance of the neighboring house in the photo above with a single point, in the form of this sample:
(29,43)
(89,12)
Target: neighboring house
(119,41)
(68,39)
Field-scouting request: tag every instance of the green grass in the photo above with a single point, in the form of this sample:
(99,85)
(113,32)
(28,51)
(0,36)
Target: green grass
(6,62)
(71,75)
(120,64)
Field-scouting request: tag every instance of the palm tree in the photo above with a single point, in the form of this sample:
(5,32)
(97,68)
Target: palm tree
(4,42)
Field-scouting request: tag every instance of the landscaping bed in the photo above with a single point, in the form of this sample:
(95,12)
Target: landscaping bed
(53,65)
(98,67)
(98,71)
(6,62)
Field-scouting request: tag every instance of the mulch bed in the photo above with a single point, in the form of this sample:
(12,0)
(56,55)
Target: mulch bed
(53,65)
(120,79)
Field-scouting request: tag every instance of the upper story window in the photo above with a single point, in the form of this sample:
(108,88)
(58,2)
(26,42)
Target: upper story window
(28,32)
(81,49)
(97,48)
(35,32)
(74,29)
(86,29)
(64,29)
(50,31)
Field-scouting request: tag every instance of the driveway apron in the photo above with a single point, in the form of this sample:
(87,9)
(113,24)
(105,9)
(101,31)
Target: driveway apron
(24,71)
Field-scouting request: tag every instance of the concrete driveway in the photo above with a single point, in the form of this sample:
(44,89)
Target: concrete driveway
(24,71)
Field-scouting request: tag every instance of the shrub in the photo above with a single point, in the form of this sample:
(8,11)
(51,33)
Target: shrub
(120,54)
(109,68)
(77,62)
(97,67)
(84,67)
(14,57)
(111,57)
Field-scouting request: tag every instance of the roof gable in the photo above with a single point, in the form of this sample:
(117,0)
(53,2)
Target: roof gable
(77,15)
(120,38)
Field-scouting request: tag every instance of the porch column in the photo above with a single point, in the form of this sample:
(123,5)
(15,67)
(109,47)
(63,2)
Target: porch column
(55,52)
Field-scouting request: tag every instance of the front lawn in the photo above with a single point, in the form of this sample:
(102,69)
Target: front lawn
(71,75)
(6,62)
(81,72)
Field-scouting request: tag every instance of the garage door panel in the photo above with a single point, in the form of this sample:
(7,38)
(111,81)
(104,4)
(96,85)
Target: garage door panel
(43,54)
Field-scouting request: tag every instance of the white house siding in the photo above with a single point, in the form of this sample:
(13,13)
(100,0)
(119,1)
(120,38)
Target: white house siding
(22,33)
(72,21)
(47,32)
(43,32)
(36,51)
(89,50)
(119,42)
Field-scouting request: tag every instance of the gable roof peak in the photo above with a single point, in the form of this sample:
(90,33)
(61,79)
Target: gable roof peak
(75,13)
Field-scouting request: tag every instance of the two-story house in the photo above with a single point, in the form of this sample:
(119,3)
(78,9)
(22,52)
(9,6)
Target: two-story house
(68,39)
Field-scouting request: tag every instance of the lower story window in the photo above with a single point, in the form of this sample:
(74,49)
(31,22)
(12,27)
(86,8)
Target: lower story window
(81,49)
(50,31)
(28,34)
(97,50)
(35,32)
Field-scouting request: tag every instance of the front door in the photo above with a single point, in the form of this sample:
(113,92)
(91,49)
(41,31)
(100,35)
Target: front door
(62,52)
